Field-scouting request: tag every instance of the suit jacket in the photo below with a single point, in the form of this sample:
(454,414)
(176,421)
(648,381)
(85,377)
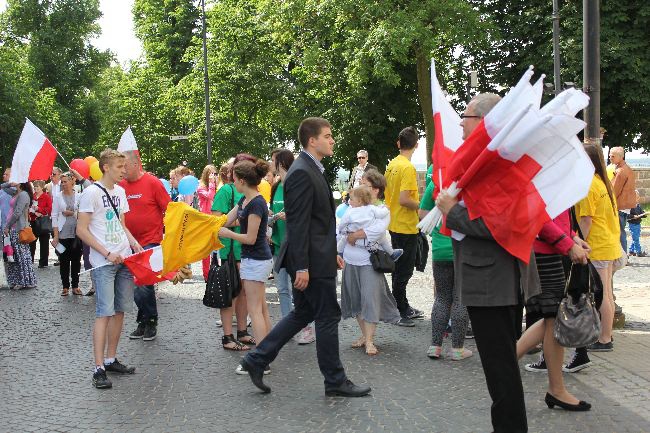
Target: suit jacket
(369,166)
(311,225)
(485,273)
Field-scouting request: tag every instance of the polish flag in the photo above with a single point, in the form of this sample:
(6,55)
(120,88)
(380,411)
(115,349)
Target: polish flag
(448,132)
(34,156)
(519,97)
(532,170)
(146,267)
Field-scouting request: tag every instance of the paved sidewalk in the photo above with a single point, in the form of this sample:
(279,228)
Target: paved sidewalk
(186,382)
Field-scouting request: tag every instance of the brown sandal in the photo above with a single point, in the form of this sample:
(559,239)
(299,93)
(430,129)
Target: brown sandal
(65,291)
(230,339)
(77,291)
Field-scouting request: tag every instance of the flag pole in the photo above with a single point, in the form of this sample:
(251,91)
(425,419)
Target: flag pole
(111,263)
(66,162)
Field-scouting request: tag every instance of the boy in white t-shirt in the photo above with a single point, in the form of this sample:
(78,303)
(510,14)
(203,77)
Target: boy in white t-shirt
(101,226)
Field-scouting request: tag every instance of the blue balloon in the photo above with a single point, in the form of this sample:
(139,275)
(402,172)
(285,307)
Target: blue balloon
(340,211)
(188,185)
(167,185)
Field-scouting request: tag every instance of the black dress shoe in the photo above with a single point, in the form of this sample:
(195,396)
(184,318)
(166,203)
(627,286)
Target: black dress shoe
(551,402)
(348,389)
(256,376)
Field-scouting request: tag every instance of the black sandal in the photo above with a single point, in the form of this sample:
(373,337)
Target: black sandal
(230,339)
(250,340)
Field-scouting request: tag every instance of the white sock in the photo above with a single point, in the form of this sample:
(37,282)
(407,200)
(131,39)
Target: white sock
(98,367)
(108,361)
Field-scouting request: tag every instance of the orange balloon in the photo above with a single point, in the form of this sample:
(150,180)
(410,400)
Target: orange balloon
(90,160)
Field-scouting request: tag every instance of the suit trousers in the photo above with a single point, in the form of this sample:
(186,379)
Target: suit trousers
(316,303)
(495,333)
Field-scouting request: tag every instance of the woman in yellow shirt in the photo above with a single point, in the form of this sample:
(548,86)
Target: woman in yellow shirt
(598,220)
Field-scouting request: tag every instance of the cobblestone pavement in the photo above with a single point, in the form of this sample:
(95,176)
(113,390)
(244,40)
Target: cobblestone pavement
(186,382)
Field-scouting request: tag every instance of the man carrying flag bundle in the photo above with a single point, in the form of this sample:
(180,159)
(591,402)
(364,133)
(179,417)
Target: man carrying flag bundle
(489,280)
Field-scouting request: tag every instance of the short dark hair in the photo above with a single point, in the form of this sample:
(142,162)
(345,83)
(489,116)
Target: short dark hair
(311,128)
(408,138)
(251,172)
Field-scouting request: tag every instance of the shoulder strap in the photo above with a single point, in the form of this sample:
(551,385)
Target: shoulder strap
(108,196)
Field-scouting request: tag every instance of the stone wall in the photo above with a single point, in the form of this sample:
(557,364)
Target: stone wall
(643,183)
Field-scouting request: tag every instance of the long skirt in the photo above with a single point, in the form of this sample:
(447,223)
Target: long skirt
(21,271)
(365,292)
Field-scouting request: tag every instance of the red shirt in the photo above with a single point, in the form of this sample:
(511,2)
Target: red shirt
(147,204)
(44,205)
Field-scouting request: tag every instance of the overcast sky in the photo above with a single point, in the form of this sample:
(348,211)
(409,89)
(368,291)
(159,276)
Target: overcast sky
(117,29)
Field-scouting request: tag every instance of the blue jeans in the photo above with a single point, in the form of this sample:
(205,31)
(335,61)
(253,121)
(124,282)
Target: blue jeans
(145,299)
(635,230)
(113,289)
(622,219)
(283,284)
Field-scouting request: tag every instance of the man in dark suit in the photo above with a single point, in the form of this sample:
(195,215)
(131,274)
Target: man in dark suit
(359,170)
(309,255)
(490,281)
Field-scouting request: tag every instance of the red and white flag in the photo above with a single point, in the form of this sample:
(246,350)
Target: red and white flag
(448,132)
(519,97)
(146,267)
(34,156)
(534,169)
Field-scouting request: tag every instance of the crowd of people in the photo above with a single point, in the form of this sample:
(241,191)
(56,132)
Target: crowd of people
(281,225)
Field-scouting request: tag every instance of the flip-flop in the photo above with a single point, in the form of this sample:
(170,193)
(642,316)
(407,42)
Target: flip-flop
(359,343)
(65,292)
(77,292)
(371,349)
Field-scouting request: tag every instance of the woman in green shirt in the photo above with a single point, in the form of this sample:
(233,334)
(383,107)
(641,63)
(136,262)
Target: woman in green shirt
(446,302)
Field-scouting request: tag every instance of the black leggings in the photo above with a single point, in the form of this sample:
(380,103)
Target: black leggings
(70,262)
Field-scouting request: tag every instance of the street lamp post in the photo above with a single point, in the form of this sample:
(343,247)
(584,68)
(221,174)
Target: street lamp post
(591,68)
(556,47)
(208,128)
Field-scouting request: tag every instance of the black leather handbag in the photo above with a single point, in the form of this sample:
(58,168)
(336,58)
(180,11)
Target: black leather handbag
(381,261)
(223,283)
(42,225)
(422,252)
(577,323)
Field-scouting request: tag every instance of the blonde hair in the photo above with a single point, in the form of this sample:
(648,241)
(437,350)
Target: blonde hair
(362,193)
(205,176)
(107,156)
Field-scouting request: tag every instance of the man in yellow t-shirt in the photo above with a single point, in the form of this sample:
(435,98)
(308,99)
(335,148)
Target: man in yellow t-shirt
(403,200)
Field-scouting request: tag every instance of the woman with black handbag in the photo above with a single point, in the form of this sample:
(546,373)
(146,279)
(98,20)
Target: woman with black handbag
(40,217)
(65,240)
(224,201)
(364,290)
(256,259)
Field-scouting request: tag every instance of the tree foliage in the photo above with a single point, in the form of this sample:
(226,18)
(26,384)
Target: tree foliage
(525,38)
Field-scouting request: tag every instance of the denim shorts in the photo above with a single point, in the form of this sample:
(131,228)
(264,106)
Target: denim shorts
(255,270)
(113,289)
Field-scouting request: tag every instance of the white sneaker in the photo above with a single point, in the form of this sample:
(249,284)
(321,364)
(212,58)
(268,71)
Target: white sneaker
(306,336)
(240,370)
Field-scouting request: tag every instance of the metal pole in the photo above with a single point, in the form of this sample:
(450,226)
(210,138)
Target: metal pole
(591,71)
(208,128)
(556,47)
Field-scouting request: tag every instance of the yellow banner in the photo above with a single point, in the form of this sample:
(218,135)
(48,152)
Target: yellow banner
(189,235)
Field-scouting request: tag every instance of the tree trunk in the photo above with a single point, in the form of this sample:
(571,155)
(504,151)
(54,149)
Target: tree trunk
(424,96)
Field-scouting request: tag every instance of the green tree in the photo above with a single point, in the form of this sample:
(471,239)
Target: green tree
(166,29)
(525,38)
